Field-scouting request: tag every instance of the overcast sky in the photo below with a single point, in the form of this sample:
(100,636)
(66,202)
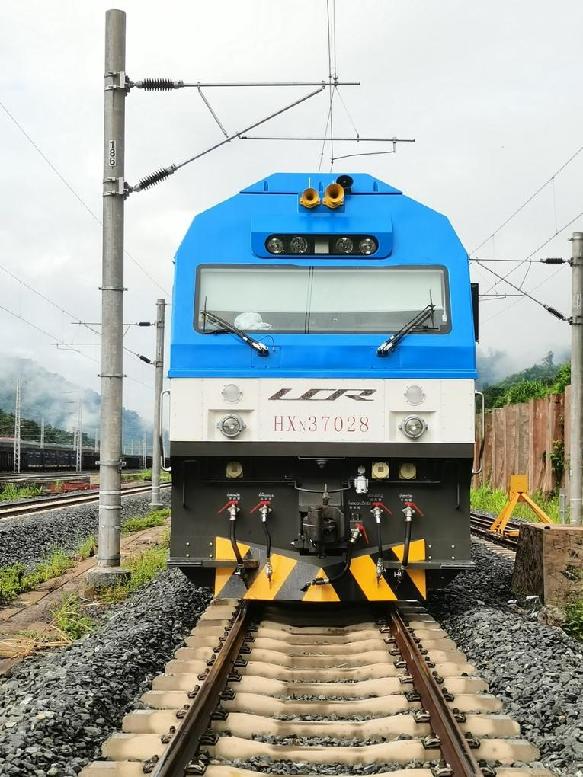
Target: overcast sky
(490,91)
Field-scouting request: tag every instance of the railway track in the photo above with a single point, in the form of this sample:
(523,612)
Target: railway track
(480,527)
(317,691)
(38,504)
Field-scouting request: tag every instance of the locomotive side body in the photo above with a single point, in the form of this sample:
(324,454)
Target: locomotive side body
(322,394)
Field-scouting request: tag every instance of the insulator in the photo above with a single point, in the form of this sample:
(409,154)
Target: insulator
(160,84)
(154,178)
(556,313)
(145,359)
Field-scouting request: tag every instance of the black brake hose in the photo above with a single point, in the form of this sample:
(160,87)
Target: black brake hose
(235,547)
(380,540)
(334,578)
(268,539)
(405,560)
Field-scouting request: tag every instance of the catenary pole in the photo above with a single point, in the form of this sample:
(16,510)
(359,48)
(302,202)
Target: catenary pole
(576,457)
(108,556)
(158,381)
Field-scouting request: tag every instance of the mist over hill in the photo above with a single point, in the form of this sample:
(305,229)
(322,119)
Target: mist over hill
(47,395)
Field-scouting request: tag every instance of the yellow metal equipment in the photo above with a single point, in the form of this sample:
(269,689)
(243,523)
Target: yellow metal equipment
(518,493)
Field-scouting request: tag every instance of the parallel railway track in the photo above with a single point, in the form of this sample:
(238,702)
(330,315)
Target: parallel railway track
(38,504)
(325,690)
(480,527)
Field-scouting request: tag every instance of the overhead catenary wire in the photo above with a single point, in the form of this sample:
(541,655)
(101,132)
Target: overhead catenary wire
(521,207)
(160,175)
(44,332)
(553,311)
(75,194)
(61,309)
(533,252)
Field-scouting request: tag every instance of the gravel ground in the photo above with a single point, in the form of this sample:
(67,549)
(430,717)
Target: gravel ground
(537,670)
(55,710)
(31,539)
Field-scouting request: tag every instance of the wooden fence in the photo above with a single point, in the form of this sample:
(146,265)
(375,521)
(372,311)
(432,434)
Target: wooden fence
(527,439)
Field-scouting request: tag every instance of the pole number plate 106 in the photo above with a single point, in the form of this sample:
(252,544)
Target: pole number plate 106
(323,424)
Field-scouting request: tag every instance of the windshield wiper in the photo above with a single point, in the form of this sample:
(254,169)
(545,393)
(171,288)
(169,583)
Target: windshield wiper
(261,349)
(392,342)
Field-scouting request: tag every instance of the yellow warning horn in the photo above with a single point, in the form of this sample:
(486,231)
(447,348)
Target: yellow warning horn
(309,198)
(334,195)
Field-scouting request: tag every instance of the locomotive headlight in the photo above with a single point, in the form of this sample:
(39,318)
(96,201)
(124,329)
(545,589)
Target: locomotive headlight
(298,245)
(275,245)
(231,393)
(231,425)
(343,245)
(367,246)
(413,427)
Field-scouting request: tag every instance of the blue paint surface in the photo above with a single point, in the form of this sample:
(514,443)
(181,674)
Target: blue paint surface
(409,233)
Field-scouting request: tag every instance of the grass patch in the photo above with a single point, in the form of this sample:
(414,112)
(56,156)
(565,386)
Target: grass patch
(154,518)
(87,548)
(12,492)
(14,579)
(68,617)
(146,474)
(56,564)
(11,582)
(492,501)
(574,622)
(143,569)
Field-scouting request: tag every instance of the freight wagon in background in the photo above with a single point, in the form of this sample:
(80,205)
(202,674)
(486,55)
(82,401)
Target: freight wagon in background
(322,368)
(33,458)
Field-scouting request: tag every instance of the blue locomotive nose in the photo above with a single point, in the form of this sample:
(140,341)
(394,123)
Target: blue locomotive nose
(322,378)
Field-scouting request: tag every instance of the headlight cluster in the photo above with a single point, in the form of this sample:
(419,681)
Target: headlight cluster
(317,245)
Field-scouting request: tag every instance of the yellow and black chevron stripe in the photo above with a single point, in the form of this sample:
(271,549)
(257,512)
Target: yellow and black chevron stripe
(290,572)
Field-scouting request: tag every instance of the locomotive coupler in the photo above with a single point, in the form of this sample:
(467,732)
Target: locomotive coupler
(356,532)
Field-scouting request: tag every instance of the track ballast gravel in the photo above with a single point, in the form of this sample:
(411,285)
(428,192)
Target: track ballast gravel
(56,709)
(537,670)
(30,539)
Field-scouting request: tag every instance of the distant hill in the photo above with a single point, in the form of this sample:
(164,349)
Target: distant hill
(534,382)
(47,395)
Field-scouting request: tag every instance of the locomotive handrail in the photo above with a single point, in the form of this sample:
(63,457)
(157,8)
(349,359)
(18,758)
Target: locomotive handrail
(483,425)
(162,447)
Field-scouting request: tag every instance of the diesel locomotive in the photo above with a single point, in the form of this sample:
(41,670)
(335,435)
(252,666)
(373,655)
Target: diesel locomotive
(322,378)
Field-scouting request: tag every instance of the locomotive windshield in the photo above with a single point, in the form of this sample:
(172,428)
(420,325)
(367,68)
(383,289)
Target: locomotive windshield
(321,299)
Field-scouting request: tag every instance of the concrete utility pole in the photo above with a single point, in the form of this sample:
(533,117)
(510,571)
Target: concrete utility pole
(42,433)
(17,425)
(576,457)
(158,382)
(108,556)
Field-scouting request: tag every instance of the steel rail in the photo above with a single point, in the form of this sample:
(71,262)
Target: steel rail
(452,741)
(23,507)
(480,526)
(185,745)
